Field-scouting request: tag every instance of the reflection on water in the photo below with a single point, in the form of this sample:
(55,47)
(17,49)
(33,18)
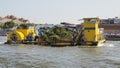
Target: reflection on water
(34,56)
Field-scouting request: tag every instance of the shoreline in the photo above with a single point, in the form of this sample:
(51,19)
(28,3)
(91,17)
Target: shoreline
(4,32)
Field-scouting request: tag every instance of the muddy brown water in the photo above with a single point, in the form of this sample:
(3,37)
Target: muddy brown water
(35,56)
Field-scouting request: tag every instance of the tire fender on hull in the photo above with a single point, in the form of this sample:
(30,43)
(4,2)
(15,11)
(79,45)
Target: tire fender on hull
(15,37)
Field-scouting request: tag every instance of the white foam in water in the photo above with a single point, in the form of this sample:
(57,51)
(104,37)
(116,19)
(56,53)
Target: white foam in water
(99,45)
(111,45)
(108,45)
(1,42)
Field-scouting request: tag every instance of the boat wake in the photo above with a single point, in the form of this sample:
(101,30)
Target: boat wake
(1,42)
(108,45)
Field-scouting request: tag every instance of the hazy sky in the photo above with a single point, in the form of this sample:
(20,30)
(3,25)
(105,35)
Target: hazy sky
(56,11)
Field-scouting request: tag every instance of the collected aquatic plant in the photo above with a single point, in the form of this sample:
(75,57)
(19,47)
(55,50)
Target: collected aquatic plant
(57,33)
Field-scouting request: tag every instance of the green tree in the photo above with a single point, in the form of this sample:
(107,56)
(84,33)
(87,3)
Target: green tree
(25,26)
(8,25)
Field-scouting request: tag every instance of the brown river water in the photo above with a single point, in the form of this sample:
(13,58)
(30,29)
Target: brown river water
(35,56)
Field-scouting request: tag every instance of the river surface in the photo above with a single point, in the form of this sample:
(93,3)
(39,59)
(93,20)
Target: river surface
(35,56)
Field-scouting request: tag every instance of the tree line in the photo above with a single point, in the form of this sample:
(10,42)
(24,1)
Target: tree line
(11,24)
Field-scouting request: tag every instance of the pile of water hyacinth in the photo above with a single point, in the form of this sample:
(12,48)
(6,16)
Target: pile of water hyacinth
(56,34)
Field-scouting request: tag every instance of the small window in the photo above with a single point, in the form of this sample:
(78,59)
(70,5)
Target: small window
(92,20)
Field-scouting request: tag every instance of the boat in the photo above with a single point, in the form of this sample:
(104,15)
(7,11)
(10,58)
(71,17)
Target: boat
(111,31)
(91,35)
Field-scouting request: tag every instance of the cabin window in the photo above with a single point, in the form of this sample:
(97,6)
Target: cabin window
(92,21)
